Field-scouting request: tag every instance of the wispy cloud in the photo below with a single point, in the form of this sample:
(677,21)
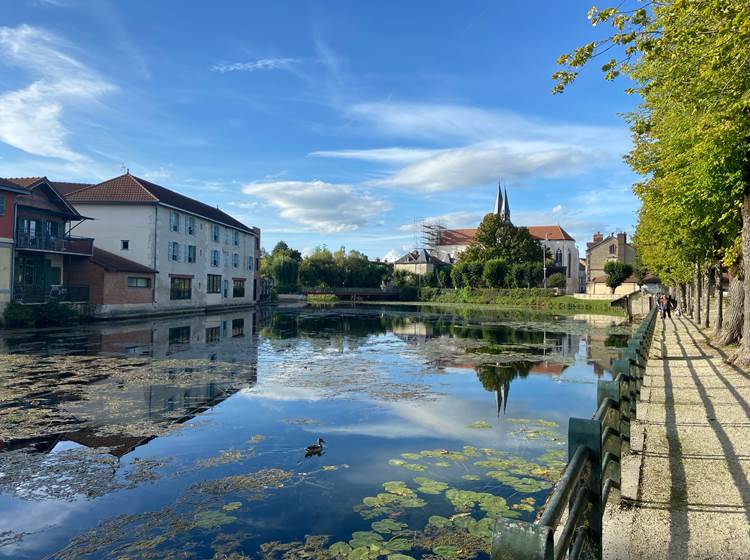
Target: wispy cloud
(380,155)
(320,206)
(461,218)
(31,118)
(481,164)
(255,65)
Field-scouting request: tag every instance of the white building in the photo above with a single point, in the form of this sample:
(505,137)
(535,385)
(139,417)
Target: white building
(447,244)
(204,258)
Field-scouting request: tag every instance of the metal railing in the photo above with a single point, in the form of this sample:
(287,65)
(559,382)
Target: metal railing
(49,243)
(64,293)
(594,449)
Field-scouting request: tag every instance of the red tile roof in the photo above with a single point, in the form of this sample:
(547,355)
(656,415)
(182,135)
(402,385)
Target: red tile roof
(115,263)
(553,233)
(457,236)
(65,188)
(129,189)
(24,182)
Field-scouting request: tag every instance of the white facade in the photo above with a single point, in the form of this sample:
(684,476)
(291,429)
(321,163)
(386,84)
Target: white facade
(181,246)
(565,253)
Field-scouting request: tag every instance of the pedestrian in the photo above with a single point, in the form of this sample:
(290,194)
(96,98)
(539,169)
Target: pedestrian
(668,306)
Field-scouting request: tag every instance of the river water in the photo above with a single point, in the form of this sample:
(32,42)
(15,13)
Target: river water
(185,437)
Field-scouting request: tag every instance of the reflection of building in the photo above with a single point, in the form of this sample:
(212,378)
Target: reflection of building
(130,404)
(412,330)
(447,244)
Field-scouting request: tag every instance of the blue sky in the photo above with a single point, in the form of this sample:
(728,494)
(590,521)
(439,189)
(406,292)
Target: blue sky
(335,123)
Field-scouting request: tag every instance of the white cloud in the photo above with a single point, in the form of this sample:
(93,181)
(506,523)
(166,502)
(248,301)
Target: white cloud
(381,155)
(483,163)
(320,206)
(31,118)
(557,209)
(391,256)
(462,218)
(255,65)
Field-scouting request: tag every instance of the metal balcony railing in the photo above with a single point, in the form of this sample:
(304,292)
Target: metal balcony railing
(593,469)
(64,293)
(49,243)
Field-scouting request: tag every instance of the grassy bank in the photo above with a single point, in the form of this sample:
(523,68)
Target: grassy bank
(322,298)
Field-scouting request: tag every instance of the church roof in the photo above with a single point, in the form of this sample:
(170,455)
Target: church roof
(419,256)
(553,233)
(457,236)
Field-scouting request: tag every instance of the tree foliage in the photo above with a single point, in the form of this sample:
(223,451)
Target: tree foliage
(617,272)
(496,239)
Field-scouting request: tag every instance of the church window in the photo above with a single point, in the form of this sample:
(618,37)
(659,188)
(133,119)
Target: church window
(558,257)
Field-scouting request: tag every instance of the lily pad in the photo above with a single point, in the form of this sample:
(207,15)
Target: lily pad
(231,506)
(211,518)
(387,526)
(445,551)
(429,486)
(364,539)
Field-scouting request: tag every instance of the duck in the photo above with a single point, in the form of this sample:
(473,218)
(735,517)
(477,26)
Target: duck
(316,448)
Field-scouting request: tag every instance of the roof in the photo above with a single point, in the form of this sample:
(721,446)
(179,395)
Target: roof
(419,256)
(129,189)
(65,188)
(28,184)
(115,263)
(457,236)
(552,233)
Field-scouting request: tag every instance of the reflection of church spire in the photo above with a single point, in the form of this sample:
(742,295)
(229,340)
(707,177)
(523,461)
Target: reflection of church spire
(501,397)
(499,202)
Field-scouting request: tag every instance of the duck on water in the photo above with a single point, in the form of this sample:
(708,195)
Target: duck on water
(315,449)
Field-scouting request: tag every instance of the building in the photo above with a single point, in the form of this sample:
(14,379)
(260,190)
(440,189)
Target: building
(599,252)
(447,244)
(419,261)
(200,256)
(36,241)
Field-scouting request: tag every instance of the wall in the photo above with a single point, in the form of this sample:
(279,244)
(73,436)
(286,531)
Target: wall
(6,218)
(114,223)
(109,291)
(600,288)
(598,256)
(567,247)
(416,268)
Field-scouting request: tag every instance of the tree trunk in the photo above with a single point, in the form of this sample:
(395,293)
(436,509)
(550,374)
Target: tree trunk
(689,301)
(682,297)
(732,327)
(742,357)
(707,281)
(719,300)
(697,293)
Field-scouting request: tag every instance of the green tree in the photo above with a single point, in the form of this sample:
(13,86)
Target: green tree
(525,275)
(557,280)
(688,61)
(617,272)
(282,249)
(284,271)
(494,273)
(496,239)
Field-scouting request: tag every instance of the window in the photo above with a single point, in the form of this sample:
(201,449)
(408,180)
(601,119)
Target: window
(249,263)
(236,237)
(569,267)
(189,225)
(174,221)
(2,205)
(179,335)
(180,288)
(191,253)
(613,249)
(215,258)
(215,232)
(226,258)
(213,334)
(235,260)
(125,245)
(238,287)
(174,251)
(558,257)
(213,285)
(53,229)
(139,282)
(227,236)
(238,327)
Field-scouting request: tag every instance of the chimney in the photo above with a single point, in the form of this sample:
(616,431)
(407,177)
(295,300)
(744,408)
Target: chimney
(598,237)
(622,237)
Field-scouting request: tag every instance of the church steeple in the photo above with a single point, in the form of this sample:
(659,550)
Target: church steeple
(505,210)
(499,202)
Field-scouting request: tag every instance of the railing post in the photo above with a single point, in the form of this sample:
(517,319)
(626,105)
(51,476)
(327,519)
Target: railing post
(588,433)
(519,540)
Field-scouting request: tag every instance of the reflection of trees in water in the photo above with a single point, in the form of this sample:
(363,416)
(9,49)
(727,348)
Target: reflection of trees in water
(497,379)
(289,325)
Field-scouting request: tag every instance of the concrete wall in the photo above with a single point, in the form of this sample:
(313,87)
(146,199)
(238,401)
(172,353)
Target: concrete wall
(569,253)
(600,288)
(416,268)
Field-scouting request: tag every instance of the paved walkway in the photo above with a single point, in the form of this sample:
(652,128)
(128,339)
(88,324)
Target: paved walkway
(686,480)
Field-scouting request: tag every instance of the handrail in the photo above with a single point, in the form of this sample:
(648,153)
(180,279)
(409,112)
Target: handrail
(594,451)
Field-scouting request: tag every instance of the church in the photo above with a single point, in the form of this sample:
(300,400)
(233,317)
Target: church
(447,244)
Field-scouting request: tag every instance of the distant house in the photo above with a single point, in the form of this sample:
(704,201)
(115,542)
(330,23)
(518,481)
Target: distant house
(419,262)
(204,257)
(36,245)
(599,252)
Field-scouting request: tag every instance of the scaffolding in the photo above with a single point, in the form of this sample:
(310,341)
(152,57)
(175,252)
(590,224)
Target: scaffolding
(431,236)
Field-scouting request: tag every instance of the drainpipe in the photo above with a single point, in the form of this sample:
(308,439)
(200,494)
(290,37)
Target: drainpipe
(156,245)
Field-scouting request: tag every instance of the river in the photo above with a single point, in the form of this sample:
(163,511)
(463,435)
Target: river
(185,437)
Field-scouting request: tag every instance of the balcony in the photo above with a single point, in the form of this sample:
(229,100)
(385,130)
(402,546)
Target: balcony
(65,293)
(69,245)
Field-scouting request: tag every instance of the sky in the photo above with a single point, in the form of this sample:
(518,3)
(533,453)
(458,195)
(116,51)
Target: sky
(321,122)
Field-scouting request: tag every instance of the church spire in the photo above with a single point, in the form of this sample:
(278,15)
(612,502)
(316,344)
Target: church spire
(505,210)
(498,199)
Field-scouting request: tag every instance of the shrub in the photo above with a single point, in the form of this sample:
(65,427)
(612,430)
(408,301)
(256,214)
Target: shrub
(556,280)
(494,272)
(17,316)
(408,293)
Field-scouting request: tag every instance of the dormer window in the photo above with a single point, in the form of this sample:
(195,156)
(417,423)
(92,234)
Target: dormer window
(613,249)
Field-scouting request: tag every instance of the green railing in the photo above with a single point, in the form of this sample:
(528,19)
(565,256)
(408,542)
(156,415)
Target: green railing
(594,449)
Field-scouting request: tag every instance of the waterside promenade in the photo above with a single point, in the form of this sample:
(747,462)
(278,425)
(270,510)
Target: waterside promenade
(686,480)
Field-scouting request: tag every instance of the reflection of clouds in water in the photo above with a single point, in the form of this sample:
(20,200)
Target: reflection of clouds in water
(273,392)
(33,518)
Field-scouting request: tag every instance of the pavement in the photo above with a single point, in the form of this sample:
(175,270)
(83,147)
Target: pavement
(685,490)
